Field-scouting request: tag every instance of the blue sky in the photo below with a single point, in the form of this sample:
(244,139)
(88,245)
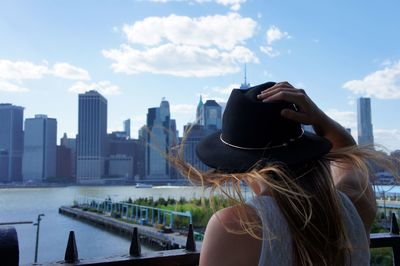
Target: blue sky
(136,52)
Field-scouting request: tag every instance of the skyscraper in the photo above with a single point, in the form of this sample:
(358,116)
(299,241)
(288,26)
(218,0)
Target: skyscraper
(194,134)
(364,124)
(161,135)
(210,115)
(11,142)
(70,144)
(199,110)
(40,142)
(92,137)
(127,128)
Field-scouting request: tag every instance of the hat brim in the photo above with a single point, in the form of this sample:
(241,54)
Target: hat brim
(218,155)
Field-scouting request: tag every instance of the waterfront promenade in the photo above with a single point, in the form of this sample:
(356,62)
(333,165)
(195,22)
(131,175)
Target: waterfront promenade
(149,234)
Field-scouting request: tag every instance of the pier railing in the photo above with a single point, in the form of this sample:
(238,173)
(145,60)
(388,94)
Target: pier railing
(187,256)
(136,213)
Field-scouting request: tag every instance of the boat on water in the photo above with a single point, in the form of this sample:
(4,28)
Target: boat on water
(142,185)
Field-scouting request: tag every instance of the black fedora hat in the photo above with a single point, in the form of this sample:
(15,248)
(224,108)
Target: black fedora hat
(254,132)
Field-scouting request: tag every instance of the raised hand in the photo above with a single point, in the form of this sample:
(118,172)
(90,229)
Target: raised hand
(307,113)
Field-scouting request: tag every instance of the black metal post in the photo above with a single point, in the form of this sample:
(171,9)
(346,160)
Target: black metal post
(37,235)
(9,249)
(135,249)
(394,230)
(190,242)
(71,252)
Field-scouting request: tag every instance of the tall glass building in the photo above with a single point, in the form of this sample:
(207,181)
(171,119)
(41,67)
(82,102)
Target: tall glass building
(11,142)
(193,133)
(92,138)
(127,128)
(364,124)
(40,148)
(210,115)
(160,136)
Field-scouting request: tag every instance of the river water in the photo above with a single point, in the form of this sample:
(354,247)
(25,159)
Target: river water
(24,204)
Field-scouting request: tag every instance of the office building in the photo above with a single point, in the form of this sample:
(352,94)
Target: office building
(127,128)
(11,142)
(120,166)
(92,138)
(140,162)
(199,110)
(364,123)
(68,146)
(131,149)
(40,149)
(161,135)
(210,115)
(64,164)
(193,133)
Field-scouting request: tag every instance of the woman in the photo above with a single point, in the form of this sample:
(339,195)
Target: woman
(313,204)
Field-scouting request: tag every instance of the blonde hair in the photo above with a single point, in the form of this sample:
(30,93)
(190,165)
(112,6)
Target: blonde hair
(306,196)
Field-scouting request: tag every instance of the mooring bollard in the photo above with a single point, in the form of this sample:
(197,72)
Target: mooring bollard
(190,243)
(9,250)
(135,249)
(394,227)
(71,252)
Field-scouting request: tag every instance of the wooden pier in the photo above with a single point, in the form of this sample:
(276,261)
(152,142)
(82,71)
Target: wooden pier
(147,233)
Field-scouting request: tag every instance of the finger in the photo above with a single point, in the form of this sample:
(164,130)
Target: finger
(273,92)
(289,96)
(295,116)
(267,94)
(301,91)
(279,85)
(286,84)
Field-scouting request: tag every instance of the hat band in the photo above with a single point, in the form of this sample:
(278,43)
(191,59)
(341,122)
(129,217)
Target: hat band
(285,144)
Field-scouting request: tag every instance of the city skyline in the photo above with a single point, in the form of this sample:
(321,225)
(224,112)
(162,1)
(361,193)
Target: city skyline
(208,114)
(137,52)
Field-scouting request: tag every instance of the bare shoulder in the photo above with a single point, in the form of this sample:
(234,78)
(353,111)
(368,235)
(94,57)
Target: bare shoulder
(351,182)
(226,243)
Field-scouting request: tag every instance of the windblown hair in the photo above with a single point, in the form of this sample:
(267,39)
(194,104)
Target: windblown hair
(306,196)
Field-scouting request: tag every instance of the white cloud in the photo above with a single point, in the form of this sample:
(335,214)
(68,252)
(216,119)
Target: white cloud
(382,84)
(347,119)
(184,46)
(268,50)
(67,71)
(183,109)
(6,86)
(104,87)
(12,72)
(351,100)
(222,31)
(275,34)
(226,90)
(233,4)
(207,95)
(141,119)
(389,138)
(19,70)
(179,60)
